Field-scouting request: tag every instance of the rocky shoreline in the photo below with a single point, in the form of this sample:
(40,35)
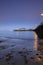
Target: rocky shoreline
(16,55)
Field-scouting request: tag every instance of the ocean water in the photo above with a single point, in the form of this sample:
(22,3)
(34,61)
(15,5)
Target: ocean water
(17,34)
(21,39)
(20,48)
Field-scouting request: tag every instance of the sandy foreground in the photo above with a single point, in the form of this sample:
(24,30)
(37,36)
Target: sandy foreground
(12,54)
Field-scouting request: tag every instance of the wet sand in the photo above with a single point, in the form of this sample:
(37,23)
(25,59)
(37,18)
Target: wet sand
(12,54)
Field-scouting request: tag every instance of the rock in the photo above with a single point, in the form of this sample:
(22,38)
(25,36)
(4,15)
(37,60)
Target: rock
(9,57)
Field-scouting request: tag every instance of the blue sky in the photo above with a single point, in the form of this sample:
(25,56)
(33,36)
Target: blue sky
(20,13)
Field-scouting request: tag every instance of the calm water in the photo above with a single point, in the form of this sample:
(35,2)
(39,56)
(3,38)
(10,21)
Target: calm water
(25,35)
(18,47)
(21,39)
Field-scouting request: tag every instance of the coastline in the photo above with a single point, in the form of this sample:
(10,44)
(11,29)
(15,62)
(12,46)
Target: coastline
(18,55)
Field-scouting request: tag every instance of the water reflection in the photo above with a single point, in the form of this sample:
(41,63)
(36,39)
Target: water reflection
(38,45)
(35,41)
(35,44)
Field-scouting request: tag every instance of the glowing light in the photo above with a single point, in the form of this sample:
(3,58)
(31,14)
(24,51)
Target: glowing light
(35,41)
(41,14)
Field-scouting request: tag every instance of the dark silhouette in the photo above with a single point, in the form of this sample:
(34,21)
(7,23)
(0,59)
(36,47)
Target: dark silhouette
(39,31)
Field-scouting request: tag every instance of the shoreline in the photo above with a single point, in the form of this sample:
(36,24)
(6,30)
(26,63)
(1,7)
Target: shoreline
(15,54)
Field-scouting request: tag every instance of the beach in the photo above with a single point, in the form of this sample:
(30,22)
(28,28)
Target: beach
(18,54)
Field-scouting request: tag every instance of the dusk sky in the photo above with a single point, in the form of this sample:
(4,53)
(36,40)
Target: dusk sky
(20,13)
